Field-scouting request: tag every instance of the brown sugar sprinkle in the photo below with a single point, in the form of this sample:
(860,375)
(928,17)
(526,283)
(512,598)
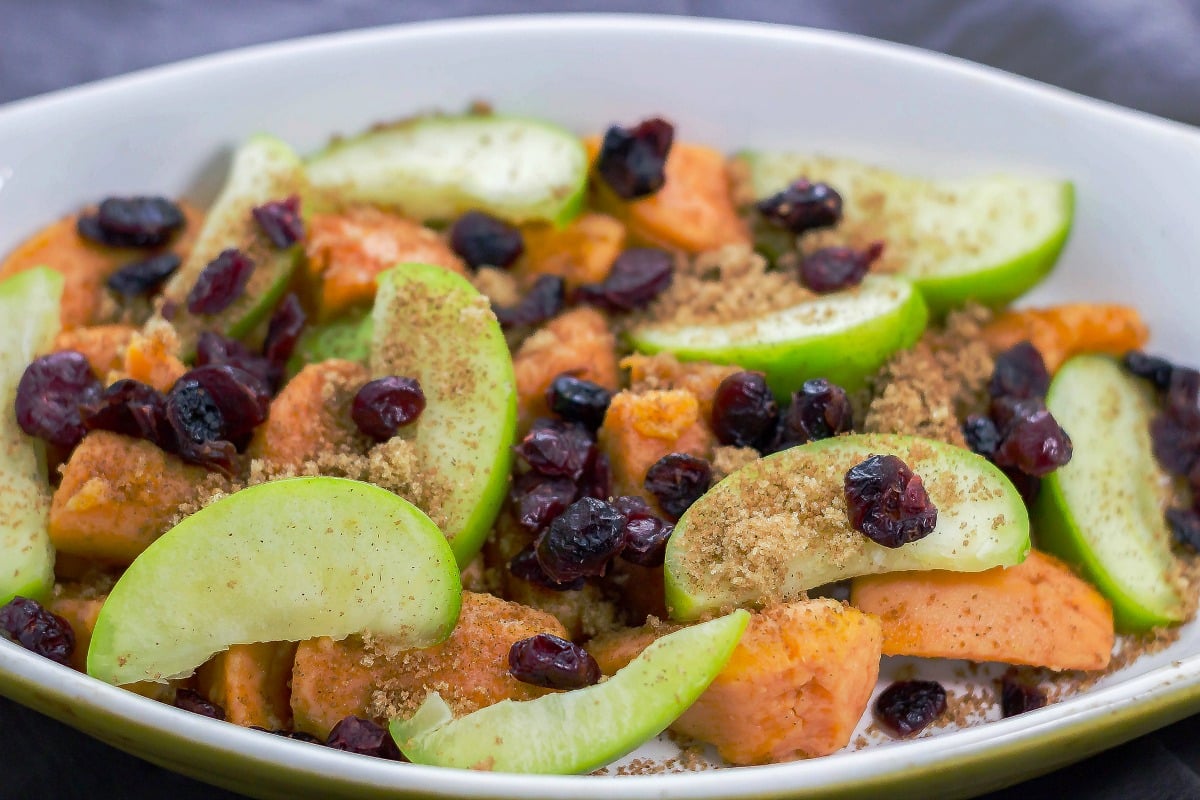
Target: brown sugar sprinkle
(727,460)
(498,285)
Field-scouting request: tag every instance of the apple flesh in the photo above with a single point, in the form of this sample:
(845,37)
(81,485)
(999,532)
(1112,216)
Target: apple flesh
(432,325)
(779,526)
(347,338)
(581,730)
(989,239)
(283,561)
(1104,510)
(844,336)
(29,306)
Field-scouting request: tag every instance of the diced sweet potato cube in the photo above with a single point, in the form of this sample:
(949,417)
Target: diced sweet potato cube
(331,680)
(251,682)
(665,371)
(1060,332)
(582,251)
(1036,613)
(639,429)
(80,612)
(102,345)
(795,686)
(118,495)
(152,356)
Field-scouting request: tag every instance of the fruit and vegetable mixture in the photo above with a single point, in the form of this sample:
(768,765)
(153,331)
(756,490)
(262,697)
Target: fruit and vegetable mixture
(470,442)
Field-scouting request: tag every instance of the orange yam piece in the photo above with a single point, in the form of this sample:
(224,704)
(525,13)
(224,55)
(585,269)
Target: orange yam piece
(1060,332)
(152,356)
(577,341)
(117,495)
(331,680)
(251,682)
(102,345)
(665,371)
(694,209)
(1037,613)
(80,612)
(796,685)
(348,250)
(639,429)
(582,251)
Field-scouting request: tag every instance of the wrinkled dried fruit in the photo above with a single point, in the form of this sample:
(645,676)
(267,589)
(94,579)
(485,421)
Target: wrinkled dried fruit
(578,400)
(887,502)
(557,449)
(220,283)
(646,533)
(981,434)
(1151,368)
(1017,697)
(743,410)
(283,331)
(1032,441)
(130,408)
(818,411)
(49,396)
(191,700)
(143,277)
(544,299)
(538,499)
(637,276)
(1185,526)
(385,405)
(677,480)
(546,660)
(1020,373)
(581,541)
(596,480)
(906,707)
(482,240)
(832,269)
(1175,445)
(213,348)
(132,222)
(37,629)
(241,399)
(803,206)
(632,161)
(280,221)
(525,566)
(197,426)
(362,736)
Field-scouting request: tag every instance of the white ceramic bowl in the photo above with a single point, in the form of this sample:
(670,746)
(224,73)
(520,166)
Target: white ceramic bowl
(169,130)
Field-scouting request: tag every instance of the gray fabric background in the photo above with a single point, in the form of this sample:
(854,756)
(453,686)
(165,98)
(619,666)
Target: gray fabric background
(1140,53)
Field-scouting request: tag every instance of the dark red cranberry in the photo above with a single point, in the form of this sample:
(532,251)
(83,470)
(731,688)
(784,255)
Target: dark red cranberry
(280,220)
(832,269)
(49,395)
(632,161)
(143,277)
(581,541)
(646,533)
(1151,368)
(357,735)
(743,409)
(132,222)
(982,435)
(37,629)
(538,499)
(193,701)
(482,240)
(130,408)
(546,660)
(596,480)
(1194,483)
(677,480)
(545,298)
(578,400)
(220,283)
(887,502)
(1185,526)
(1176,445)
(818,411)
(241,399)
(525,566)
(213,348)
(385,405)
(1183,397)
(557,449)
(1019,373)
(906,707)
(197,427)
(1017,696)
(637,276)
(283,331)
(803,206)
(1032,441)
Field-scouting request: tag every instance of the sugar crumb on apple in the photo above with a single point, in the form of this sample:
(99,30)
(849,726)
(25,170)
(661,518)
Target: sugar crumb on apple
(727,460)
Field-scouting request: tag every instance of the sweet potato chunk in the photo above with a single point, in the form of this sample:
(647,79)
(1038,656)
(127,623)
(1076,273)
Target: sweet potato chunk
(796,685)
(331,680)
(102,345)
(80,611)
(251,682)
(582,251)
(639,429)
(665,371)
(1060,332)
(152,356)
(117,496)
(1037,613)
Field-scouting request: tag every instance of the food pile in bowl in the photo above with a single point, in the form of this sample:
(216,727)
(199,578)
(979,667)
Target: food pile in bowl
(473,443)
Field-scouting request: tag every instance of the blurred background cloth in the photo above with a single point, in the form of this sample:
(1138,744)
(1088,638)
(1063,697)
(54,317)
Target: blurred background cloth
(1140,53)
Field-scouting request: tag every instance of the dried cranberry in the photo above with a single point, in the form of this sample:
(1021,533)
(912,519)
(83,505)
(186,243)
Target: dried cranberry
(887,502)
(280,220)
(482,240)
(283,331)
(357,735)
(213,348)
(220,283)
(578,400)
(832,269)
(143,277)
(191,700)
(557,449)
(132,222)
(1017,696)
(37,629)
(1185,526)
(646,533)
(639,275)
(1193,478)
(385,405)
(130,408)
(1176,445)
(49,395)
(596,480)
(1019,373)
(546,660)
(743,409)
(538,499)
(677,480)
(1032,440)
(1151,368)
(525,566)
(982,435)
(803,206)
(544,299)
(1183,397)
(243,399)
(632,161)
(818,411)
(581,540)
(906,707)
(197,427)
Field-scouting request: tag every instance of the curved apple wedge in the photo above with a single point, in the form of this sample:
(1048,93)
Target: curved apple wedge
(580,730)
(1104,510)
(844,336)
(779,526)
(282,561)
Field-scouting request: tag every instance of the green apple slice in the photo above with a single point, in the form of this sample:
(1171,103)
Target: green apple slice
(347,338)
(437,167)
(580,730)
(263,169)
(844,336)
(29,303)
(283,561)
(1104,510)
(779,526)
(433,325)
(988,239)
